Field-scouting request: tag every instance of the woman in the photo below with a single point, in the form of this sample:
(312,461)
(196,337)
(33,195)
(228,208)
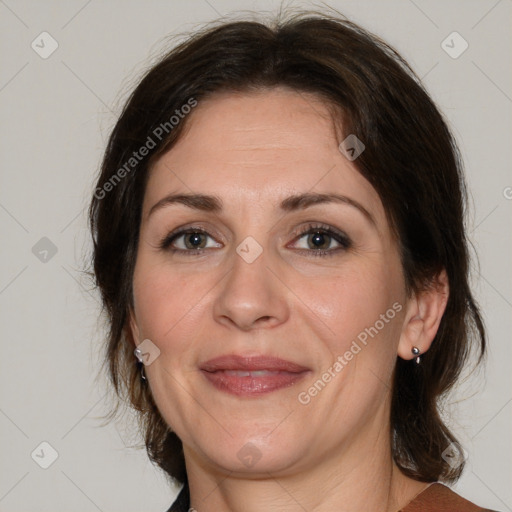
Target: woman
(280,247)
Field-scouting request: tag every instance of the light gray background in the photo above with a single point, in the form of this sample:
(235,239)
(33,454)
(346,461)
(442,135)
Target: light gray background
(56,116)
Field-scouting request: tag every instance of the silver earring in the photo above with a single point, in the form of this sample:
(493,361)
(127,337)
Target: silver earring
(140,364)
(416,352)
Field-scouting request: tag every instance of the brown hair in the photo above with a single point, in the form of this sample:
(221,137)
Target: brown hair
(410,159)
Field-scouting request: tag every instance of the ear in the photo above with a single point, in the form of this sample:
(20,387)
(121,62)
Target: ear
(134,328)
(423,315)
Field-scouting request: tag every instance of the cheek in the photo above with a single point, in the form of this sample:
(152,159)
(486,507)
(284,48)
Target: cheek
(171,310)
(353,299)
(162,298)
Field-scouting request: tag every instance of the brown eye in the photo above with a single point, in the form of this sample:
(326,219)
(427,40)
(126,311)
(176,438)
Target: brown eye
(188,241)
(319,240)
(194,240)
(322,241)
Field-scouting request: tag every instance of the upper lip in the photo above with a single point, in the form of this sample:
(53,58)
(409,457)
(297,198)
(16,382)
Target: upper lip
(251,363)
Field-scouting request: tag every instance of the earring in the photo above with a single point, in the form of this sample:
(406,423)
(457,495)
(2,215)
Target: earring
(416,352)
(140,364)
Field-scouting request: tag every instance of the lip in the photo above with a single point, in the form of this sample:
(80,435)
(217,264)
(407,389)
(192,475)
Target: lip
(252,375)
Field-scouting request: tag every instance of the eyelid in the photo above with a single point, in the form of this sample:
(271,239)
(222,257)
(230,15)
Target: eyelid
(339,236)
(180,231)
(319,226)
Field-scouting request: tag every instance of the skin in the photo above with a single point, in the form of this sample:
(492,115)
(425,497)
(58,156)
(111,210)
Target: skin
(252,151)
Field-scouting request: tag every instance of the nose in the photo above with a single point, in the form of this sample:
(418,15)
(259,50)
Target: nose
(251,296)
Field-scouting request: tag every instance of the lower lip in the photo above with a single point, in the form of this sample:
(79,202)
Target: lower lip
(252,386)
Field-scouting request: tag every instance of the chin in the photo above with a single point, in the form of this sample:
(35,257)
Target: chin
(254,453)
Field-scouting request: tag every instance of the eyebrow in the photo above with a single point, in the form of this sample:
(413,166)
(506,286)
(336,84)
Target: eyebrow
(213,204)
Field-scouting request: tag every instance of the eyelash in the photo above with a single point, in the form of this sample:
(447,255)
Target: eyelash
(310,229)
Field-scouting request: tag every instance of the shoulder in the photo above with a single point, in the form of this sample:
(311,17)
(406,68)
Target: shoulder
(436,498)
(439,498)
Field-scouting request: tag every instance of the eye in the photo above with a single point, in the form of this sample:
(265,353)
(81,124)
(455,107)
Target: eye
(321,240)
(314,240)
(190,240)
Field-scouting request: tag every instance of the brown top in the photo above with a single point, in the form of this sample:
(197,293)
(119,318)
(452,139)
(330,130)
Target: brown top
(439,498)
(435,498)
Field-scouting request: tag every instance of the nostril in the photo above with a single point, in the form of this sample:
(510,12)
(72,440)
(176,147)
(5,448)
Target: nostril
(264,319)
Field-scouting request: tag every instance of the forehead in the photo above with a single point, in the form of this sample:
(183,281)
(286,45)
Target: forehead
(257,148)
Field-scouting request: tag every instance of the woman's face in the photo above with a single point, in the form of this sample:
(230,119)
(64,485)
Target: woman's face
(277,319)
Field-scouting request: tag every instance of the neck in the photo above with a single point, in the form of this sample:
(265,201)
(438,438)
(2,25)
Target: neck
(345,480)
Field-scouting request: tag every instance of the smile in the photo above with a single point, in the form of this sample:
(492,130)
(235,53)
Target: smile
(252,376)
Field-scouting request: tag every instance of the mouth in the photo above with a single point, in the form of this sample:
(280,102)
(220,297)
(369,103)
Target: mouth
(252,376)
